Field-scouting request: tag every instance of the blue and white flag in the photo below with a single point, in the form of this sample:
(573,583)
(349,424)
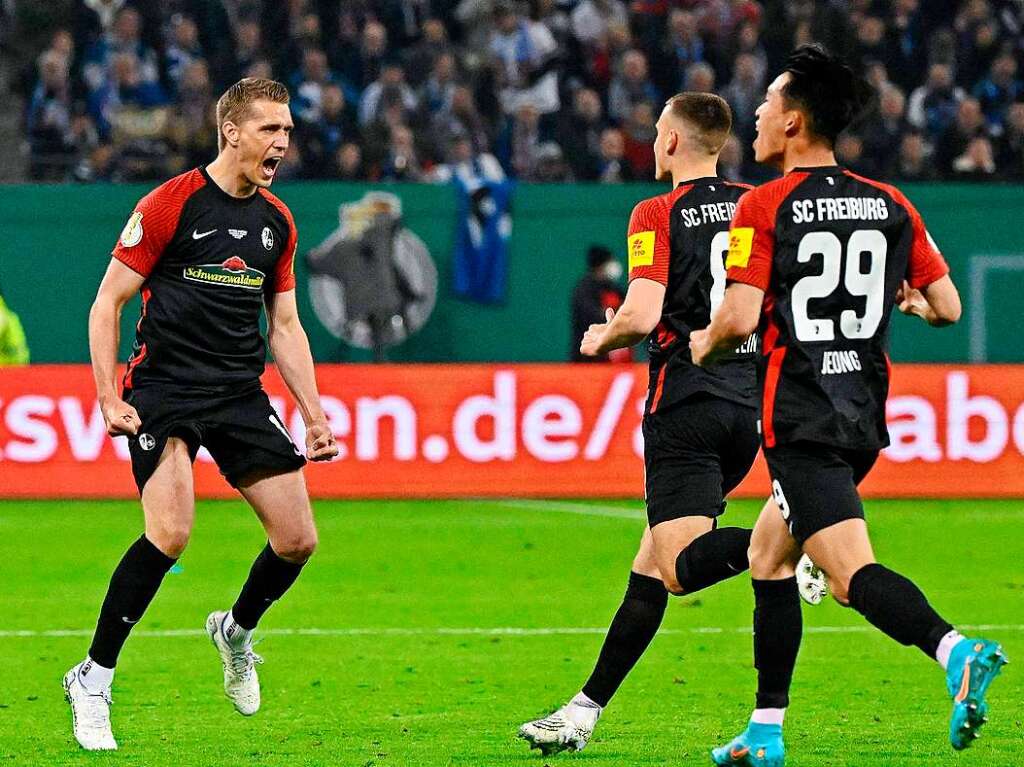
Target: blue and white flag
(483,227)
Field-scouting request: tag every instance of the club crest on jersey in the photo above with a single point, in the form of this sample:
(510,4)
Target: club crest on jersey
(131,235)
(232,273)
(641,249)
(237,233)
(268,238)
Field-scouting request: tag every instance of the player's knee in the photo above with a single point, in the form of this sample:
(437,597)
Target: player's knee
(765,564)
(671,581)
(298,547)
(840,588)
(171,539)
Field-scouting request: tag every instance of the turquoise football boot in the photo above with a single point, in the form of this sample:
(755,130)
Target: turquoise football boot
(760,745)
(973,664)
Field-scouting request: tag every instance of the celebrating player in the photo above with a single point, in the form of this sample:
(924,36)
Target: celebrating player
(700,430)
(208,250)
(821,256)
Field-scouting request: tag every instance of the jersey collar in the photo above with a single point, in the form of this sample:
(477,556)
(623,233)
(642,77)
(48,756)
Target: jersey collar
(702,180)
(830,169)
(224,195)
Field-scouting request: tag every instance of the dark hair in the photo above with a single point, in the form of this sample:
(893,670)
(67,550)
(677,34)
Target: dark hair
(708,113)
(598,255)
(825,89)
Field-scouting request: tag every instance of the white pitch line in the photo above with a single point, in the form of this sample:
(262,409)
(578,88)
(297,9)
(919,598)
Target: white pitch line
(467,631)
(587,510)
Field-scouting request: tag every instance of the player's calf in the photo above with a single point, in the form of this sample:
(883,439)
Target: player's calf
(712,557)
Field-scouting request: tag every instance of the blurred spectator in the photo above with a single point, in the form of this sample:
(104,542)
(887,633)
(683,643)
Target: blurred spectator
(125,90)
(683,46)
(402,162)
(700,78)
(308,85)
(436,93)
(883,131)
(744,94)
(1000,89)
(613,168)
(850,152)
(461,118)
(390,89)
(968,125)
(361,65)
(348,163)
(233,62)
(630,87)
(320,139)
(1010,157)
(597,291)
(526,51)
(419,59)
(184,48)
(197,119)
(13,344)
(730,160)
(913,162)
(525,141)
(590,20)
(638,134)
(977,160)
(933,105)
(467,163)
(551,166)
(48,124)
(124,37)
(579,133)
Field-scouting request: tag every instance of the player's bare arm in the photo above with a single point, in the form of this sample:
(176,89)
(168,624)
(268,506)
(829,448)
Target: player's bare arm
(636,318)
(734,321)
(938,304)
(290,347)
(118,286)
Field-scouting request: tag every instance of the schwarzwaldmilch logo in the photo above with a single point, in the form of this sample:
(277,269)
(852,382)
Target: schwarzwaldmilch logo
(233,273)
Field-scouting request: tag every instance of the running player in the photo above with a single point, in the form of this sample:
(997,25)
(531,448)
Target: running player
(208,250)
(700,430)
(821,256)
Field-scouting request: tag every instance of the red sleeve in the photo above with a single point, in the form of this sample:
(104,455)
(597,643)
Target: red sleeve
(926,264)
(751,243)
(150,227)
(647,241)
(284,271)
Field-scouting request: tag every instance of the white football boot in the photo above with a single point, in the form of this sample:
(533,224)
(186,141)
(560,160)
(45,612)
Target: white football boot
(810,581)
(90,713)
(241,683)
(570,727)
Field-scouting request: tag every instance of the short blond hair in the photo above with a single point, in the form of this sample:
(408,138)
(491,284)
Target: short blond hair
(234,105)
(709,115)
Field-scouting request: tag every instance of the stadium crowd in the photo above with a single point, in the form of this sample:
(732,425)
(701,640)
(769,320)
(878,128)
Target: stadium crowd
(548,90)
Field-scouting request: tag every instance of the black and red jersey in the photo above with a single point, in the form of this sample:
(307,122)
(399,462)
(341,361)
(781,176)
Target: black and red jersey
(680,239)
(208,259)
(830,249)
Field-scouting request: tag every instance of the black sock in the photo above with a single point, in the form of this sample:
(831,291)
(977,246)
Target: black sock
(632,629)
(269,578)
(778,627)
(897,607)
(132,587)
(713,557)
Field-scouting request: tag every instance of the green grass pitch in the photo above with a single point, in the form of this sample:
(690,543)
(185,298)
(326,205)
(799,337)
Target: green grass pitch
(406,670)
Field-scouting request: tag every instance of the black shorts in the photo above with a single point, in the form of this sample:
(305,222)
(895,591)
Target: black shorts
(815,486)
(695,453)
(242,431)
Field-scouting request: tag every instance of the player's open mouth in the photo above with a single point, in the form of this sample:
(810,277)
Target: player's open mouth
(270,166)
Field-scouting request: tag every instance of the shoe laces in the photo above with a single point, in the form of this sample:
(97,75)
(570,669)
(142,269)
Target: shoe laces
(242,660)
